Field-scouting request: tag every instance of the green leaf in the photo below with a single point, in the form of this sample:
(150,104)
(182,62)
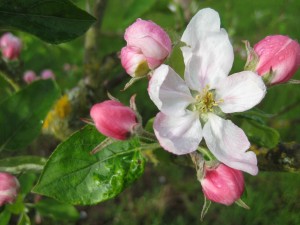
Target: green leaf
(51,20)
(74,176)
(176,59)
(254,114)
(56,210)
(4,217)
(27,180)
(21,164)
(24,219)
(17,207)
(22,114)
(260,134)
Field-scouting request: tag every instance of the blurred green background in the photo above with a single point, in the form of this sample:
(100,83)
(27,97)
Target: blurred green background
(169,194)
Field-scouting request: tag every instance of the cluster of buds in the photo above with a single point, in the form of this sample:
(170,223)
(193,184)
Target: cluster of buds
(10,46)
(148,45)
(276,58)
(29,76)
(9,187)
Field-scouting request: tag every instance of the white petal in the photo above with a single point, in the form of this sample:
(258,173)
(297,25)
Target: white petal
(178,134)
(211,61)
(229,144)
(240,92)
(206,20)
(169,92)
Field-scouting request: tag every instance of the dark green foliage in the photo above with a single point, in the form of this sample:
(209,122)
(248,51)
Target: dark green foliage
(54,21)
(22,114)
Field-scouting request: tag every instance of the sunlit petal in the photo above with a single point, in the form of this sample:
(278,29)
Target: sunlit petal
(178,134)
(229,144)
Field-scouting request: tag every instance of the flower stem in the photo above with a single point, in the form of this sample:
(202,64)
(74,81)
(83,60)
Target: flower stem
(151,146)
(10,81)
(146,135)
(206,152)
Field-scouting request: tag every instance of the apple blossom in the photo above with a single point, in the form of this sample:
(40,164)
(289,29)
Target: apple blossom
(223,184)
(279,58)
(133,61)
(47,74)
(204,96)
(147,39)
(9,186)
(10,46)
(113,119)
(29,76)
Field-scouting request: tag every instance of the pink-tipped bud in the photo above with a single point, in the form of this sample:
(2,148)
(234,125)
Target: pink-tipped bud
(279,58)
(9,187)
(134,62)
(223,184)
(113,119)
(47,74)
(29,76)
(151,40)
(10,46)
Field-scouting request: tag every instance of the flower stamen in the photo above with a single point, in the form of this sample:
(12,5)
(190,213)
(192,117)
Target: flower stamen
(205,101)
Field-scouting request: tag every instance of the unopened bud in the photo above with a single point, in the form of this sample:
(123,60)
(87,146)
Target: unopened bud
(29,76)
(223,184)
(279,58)
(149,40)
(113,119)
(47,74)
(9,186)
(134,62)
(10,46)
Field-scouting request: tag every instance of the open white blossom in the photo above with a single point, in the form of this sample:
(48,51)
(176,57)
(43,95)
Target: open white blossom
(206,94)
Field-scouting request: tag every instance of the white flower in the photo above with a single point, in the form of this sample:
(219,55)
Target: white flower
(205,95)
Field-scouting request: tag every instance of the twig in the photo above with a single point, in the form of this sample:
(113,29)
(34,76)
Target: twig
(285,157)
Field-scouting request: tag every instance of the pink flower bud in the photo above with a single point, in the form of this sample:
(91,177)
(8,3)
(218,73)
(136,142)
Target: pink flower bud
(134,62)
(153,42)
(10,46)
(9,186)
(47,74)
(113,119)
(223,185)
(279,58)
(29,76)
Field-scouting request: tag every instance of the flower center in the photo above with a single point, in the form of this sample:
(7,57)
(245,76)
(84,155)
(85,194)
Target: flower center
(205,101)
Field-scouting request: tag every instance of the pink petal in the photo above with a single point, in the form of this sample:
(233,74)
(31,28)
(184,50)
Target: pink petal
(153,41)
(229,144)
(178,134)
(240,92)
(279,53)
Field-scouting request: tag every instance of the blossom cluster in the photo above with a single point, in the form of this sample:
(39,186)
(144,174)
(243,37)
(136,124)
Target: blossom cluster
(29,76)
(193,111)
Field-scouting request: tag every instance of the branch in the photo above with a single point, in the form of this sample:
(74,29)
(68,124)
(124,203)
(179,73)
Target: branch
(285,157)
(9,74)
(92,59)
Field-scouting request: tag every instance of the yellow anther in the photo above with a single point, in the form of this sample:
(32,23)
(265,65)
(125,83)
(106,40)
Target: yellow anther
(205,101)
